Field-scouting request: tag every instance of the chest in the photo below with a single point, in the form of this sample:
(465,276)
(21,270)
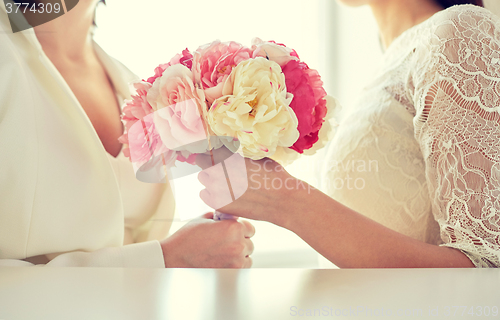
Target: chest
(96,95)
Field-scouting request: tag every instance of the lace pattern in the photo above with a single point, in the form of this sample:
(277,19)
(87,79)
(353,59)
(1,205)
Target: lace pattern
(431,120)
(457,98)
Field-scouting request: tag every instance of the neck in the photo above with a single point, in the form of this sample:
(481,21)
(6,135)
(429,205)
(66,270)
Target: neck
(68,36)
(394,16)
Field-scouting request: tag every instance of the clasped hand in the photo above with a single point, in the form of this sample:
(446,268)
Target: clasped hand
(205,243)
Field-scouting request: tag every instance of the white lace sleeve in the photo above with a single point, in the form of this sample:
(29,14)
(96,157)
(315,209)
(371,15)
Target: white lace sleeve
(457,124)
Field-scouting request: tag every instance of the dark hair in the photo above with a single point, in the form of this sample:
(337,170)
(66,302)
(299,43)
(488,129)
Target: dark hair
(449,3)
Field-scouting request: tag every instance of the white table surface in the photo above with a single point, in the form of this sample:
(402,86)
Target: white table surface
(180,294)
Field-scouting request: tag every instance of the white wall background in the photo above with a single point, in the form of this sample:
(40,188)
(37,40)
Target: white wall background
(340,42)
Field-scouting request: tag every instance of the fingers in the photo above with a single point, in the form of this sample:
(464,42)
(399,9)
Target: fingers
(204,178)
(208,215)
(243,259)
(217,193)
(229,244)
(249,229)
(205,196)
(249,247)
(216,156)
(204,161)
(247,263)
(237,174)
(214,202)
(225,182)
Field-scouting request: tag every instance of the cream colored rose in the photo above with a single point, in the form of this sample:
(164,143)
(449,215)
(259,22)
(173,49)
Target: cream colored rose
(255,109)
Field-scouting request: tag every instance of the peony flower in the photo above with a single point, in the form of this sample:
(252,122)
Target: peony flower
(273,51)
(255,109)
(149,156)
(179,108)
(185,58)
(184,156)
(263,99)
(288,155)
(158,72)
(333,108)
(308,102)
(135,110)
(138,107)
(213,64)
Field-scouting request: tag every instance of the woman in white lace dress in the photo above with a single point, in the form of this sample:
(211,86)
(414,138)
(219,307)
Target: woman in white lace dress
(412,176)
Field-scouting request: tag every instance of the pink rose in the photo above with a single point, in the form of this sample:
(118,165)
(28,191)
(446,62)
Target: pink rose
(185,58)
(179,108)
(214,62)
(309,103)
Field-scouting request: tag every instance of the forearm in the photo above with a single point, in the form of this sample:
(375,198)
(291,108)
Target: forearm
(350,240)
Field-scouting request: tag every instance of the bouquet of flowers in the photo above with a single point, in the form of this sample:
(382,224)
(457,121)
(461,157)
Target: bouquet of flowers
(260,101)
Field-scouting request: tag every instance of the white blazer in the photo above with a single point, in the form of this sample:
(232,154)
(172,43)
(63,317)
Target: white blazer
(60,199)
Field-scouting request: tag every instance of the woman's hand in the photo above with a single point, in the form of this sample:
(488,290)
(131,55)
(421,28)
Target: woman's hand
(205,243)
(261,190)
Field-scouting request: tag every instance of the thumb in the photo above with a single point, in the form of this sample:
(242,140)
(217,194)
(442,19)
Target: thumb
(208,215)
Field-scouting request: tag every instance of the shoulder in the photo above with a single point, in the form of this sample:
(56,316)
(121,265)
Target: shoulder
(6,35)
(466,10)
(458,47)
(463,23)
(15,54)
(464,13)
(15,48)
(462,39)
(454,33)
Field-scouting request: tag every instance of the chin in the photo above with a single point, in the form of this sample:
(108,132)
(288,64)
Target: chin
(89,2)
(354,3)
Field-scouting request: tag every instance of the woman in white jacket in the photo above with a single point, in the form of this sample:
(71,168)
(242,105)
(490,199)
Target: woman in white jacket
(68,195)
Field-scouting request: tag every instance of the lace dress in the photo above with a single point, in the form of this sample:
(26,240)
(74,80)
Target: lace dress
(420,152)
